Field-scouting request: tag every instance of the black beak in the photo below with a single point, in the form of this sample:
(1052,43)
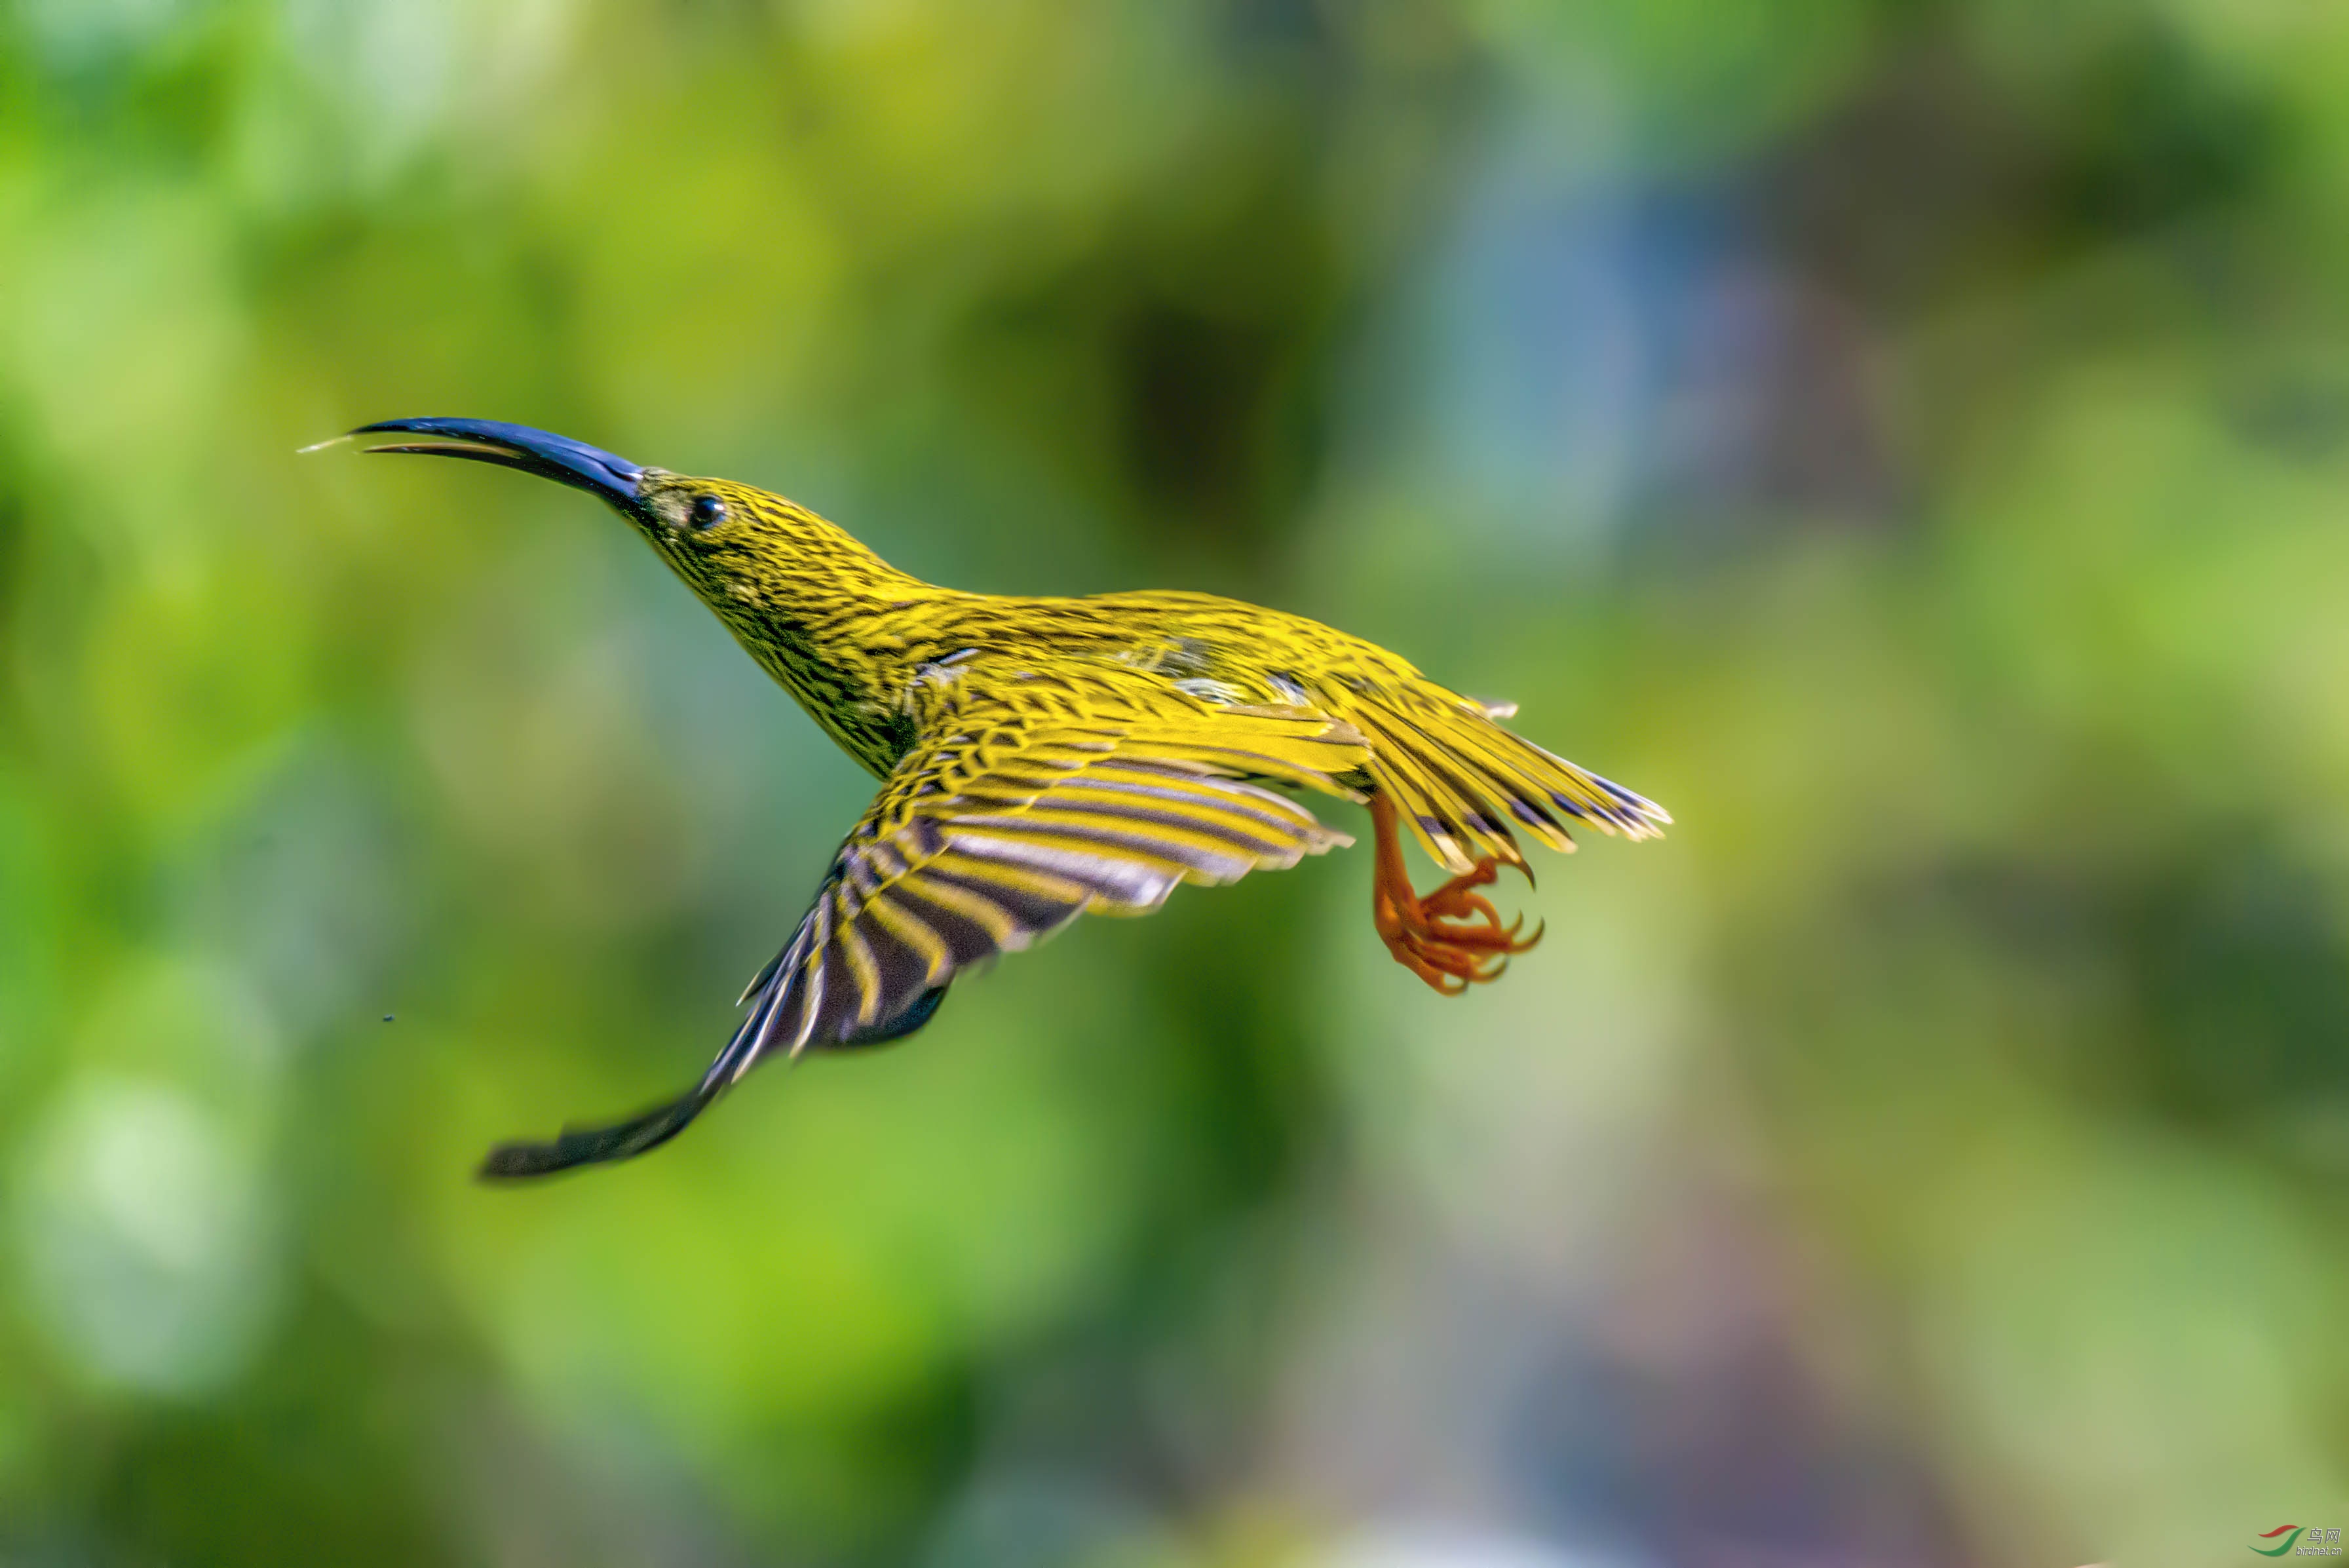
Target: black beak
(550,456)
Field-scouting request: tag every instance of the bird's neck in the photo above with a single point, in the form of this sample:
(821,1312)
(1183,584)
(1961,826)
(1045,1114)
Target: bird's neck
(822,614)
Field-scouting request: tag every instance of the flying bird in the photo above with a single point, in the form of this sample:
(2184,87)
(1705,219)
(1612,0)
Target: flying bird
(1041,758)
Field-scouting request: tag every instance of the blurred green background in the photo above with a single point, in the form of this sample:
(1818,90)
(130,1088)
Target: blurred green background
(1908,438)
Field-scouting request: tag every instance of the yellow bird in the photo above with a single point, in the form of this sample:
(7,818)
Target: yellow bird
(1041,758)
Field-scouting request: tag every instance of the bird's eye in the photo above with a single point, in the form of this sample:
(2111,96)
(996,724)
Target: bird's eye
(708,511)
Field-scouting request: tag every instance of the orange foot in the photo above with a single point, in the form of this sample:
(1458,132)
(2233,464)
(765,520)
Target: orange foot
(1451,939)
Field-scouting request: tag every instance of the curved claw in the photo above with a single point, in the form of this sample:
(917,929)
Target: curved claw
(1448,970)
(1453,936)
(1457,906)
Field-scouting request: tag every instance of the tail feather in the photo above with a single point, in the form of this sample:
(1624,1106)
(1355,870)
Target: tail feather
(1448,818)
(1488,751)
(1461,780)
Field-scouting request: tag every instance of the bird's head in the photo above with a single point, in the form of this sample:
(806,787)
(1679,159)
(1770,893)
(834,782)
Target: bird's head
(720,535)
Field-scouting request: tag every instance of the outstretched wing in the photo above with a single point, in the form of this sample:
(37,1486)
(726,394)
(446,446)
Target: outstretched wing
(993,836)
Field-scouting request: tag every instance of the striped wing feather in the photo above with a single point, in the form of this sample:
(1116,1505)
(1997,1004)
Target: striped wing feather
(1003,832)
(984,841)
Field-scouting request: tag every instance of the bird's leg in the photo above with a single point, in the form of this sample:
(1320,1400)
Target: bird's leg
(1453,936)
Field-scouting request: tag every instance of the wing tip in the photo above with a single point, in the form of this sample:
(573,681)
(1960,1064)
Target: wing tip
(524,1160)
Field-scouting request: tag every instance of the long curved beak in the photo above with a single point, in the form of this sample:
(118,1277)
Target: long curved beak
(542,452)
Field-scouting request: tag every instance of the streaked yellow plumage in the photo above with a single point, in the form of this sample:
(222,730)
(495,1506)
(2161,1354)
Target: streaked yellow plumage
(1042,758)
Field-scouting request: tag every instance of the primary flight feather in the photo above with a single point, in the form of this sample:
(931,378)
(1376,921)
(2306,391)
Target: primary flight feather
(1044,758)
